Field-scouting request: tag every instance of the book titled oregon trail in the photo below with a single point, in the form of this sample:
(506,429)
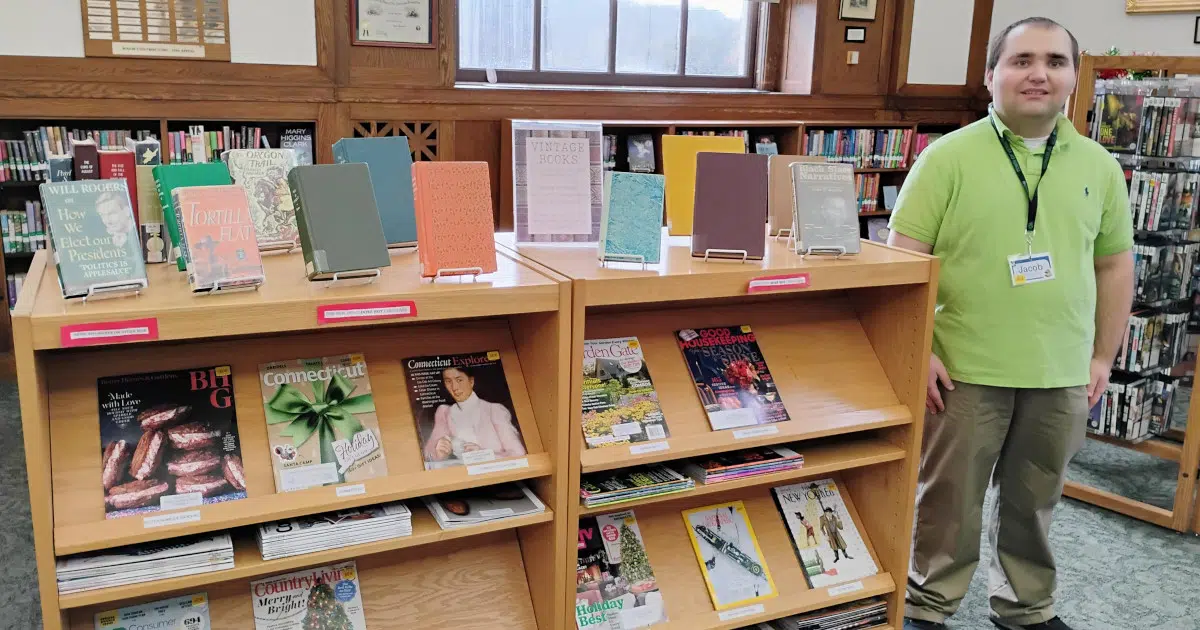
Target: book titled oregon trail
(320,598)
(731,376)
(169,440)
(620,405)
(321,422)
(615,587)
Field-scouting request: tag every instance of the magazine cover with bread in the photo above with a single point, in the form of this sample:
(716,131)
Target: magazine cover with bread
(620,405)
(615,587)
(463,408)
(321,422)
(731,376)
(327,597)
(169,440)
(829,545)
(730,559)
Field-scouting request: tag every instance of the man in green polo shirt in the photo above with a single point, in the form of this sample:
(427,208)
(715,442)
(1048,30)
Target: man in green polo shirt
(1031,223)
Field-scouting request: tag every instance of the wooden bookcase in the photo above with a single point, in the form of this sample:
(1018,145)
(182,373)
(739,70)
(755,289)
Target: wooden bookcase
(511,572)
(849,355)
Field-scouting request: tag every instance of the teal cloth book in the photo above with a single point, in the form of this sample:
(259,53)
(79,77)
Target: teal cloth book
(390,162)
(631,225)
(94,235)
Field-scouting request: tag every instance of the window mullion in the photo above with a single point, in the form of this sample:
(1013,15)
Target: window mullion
(537,35)
(612,36)
(683,26)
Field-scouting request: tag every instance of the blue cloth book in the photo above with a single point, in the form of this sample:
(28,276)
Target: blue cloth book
(390,163)
(632,220)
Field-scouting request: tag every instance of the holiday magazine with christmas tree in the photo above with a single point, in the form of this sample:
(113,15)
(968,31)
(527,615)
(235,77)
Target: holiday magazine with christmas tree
(615,587)
(320,598)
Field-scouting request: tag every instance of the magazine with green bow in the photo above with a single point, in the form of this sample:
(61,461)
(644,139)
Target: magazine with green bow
(321,422)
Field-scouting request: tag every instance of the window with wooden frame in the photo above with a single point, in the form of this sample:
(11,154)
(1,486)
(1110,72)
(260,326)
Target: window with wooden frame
(651,43)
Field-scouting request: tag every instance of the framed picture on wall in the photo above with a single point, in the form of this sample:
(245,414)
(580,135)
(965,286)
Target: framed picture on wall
(400,23)
(858,10)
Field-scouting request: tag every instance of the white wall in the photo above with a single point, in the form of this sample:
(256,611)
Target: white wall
(941,41)
(280,32)
(1101,24)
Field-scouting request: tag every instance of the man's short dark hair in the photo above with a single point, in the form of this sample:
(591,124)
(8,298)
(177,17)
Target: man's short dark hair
(997,48)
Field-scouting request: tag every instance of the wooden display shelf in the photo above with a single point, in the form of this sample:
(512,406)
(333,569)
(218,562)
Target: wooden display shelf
(287,301)
(1162,449)
(822,459)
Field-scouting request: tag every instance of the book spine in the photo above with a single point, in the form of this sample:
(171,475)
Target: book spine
(295,187)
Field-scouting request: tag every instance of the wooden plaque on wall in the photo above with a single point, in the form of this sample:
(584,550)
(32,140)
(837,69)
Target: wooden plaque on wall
(156,29)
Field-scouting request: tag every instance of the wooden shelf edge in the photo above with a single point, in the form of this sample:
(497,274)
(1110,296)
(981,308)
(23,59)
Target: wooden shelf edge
(611,458)
(1162,449)
(264,508)
(787,604)
(1117,503)
(249,563)
(822,460)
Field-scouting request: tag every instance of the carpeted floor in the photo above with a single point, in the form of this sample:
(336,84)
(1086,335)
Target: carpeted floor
(1115,573)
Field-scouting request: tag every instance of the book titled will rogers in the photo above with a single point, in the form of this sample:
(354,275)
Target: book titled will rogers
(169,440)
(731,376)
(320,597)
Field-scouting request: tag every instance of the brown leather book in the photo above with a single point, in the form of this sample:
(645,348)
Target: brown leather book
(730,212)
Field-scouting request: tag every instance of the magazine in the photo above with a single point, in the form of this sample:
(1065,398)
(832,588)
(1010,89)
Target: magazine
(320,597)
(189,612)
(463,409)
(745,463)
(620,405)
(321,422)
(330,530)
(479,505)
(731,376)
(169,440)
(730,559)
(145,562)
(830,548)
(616,486)
(615,587)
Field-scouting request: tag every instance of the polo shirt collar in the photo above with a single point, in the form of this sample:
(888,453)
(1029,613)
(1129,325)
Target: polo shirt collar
(1066,130)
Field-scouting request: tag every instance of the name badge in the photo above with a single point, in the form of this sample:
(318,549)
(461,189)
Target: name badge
(1028,269)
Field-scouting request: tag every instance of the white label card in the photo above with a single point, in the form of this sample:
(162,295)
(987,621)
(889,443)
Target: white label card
(175,518)
(742,434)
(1028,269)
(744,611)
(559,185)
(351,491)
(492,467)
(648,447)
(177,501)
(848,587)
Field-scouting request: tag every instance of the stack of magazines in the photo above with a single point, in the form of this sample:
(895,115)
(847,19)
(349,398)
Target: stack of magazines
(618,486)
(747,463)
(145,563)
(860,615)
(480,505)
(331,530)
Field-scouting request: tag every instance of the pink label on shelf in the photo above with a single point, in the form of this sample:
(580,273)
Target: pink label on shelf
(778,283)
(365,311)
(101,333)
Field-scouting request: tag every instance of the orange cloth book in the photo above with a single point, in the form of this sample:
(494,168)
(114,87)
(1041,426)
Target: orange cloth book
(454,217)
(221,243)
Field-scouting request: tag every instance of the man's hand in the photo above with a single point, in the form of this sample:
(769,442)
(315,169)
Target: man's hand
(937,372)
(1100,371)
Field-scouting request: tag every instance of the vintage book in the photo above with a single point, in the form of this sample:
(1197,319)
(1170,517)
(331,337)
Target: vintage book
(731,561)
(455,232)
(631,223)
(153,228)
(473,506)
(146,562)
(146,152)
(463,408)
(87,159)
(781,204)
(94,236)
(300,140)
(731,376)
(264,175)
(826,213)
(641,153)
(610,151)
(615,587)
(321,422)
(120,165)
(620,405)
(390,162)
(189,612)
(617,486)
(340,231)
(750,462)
(558,176)
(168,177)
(221,247)
(679,168)
(62,168)
(326,597)
(730,214)
(169,440)
(824,535)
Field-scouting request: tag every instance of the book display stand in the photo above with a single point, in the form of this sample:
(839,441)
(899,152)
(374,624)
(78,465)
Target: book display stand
(278,247)
(120,288)
(350,278)
(508,573)
(739,255)
(453,272)
(636,259)
(225,285)
(847,344)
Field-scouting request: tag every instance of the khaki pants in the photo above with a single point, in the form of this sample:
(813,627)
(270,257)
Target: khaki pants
(1022,440)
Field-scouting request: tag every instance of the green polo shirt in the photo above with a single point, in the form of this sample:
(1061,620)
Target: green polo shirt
(963,198)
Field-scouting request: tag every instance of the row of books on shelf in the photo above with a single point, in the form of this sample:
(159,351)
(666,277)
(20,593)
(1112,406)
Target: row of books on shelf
(1153,340)
(862,148)
(616,586)
(1163,200)
(43,158)
(866,190)
(1134,408)
(15,282)
(1163,272)
(921,141)
(1151,117)
(23,230)
(199,145)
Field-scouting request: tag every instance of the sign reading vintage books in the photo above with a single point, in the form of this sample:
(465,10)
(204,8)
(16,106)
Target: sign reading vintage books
(559,192)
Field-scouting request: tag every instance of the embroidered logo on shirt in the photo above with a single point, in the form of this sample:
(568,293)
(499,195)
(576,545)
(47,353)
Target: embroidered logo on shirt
(1085,191)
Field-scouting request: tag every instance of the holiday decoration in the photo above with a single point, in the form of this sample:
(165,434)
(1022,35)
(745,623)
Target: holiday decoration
(325,612)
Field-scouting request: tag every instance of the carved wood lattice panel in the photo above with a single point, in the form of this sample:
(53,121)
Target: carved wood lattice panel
(422,136)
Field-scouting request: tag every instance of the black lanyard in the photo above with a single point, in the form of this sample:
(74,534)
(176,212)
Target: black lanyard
(1031,216)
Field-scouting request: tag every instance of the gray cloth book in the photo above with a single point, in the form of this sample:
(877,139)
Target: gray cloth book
(94,235)
(826,208)
(340,230)
(730,211)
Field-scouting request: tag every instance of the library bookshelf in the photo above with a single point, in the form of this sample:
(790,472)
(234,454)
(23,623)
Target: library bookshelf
(511,571)
(849,354)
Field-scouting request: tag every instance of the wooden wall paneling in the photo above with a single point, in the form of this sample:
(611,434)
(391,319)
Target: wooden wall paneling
(834,75)
(120,109)
(774,28)
(505,218)
(333,124)
(159,92)
(479,141)
(901,43)
(448,38)
(800,55)
(389,65)
(327,49)
(981,25)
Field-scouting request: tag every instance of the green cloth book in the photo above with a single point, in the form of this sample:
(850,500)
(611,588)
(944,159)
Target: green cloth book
(94,235)
(390,163)
(167,178)
(340,229)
